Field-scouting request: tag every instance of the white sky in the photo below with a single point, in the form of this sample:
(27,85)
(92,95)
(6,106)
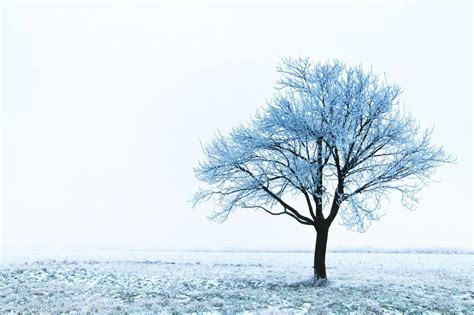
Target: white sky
(104,106)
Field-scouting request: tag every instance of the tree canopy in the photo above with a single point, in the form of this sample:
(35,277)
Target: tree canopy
(332,135)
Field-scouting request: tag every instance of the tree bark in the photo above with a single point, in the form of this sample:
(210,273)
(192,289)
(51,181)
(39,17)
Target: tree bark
(320,252)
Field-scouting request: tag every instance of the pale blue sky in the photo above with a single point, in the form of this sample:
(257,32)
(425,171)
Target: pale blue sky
(104,107)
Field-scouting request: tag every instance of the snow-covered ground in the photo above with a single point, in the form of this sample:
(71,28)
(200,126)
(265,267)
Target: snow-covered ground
(234,282)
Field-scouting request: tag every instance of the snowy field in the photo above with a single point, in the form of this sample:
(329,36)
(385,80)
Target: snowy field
(147,282)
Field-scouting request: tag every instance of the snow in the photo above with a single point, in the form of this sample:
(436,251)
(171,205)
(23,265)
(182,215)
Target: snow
(144,282)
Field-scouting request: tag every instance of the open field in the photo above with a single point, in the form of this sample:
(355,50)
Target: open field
(148,282)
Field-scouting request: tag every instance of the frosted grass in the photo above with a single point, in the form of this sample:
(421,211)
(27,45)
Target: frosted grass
(145,282)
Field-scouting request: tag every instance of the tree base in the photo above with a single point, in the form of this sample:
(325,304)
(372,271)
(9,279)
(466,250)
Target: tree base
(320,282)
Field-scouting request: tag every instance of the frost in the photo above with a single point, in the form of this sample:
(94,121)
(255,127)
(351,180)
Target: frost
(240,282)
(333,136)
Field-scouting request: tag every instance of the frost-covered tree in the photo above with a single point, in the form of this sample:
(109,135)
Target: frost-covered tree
(332,136)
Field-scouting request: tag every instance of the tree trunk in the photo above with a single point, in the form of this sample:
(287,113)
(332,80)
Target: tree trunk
(320,253)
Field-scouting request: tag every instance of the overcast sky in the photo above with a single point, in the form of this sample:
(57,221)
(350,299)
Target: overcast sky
(104,107)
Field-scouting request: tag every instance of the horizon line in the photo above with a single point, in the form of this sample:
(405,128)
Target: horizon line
(415,250)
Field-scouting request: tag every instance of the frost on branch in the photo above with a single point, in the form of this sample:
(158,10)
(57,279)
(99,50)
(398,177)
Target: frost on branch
(333,136)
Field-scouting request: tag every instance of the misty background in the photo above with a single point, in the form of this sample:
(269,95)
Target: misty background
(104,107)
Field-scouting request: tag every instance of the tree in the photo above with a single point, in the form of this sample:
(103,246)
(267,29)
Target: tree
(333,137)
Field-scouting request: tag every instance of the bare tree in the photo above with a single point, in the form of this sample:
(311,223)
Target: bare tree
(332,136)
